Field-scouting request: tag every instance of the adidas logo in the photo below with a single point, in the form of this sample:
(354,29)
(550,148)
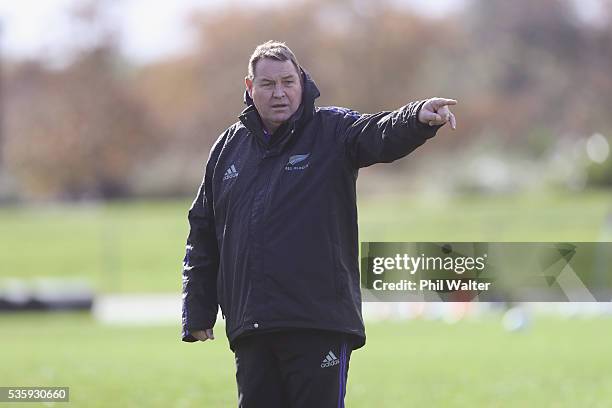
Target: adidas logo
(330,360)
(230,173)
(294,160)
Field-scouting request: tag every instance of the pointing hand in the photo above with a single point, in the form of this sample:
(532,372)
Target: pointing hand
(436,112)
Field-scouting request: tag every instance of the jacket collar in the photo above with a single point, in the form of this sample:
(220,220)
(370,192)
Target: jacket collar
(252,121)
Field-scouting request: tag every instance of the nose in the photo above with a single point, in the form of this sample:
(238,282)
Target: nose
(279,91)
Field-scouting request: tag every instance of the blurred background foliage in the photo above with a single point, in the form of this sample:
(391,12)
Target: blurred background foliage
(532,79)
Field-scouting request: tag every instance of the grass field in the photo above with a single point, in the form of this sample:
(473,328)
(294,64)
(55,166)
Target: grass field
(558,363)
(138,247)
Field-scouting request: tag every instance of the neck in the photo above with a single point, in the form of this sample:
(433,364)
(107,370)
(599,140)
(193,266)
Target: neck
(270,127)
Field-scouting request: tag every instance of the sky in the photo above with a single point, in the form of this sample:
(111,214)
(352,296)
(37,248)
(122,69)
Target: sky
(148,30)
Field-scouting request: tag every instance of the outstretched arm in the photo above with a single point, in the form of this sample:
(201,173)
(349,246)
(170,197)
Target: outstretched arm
(387,136)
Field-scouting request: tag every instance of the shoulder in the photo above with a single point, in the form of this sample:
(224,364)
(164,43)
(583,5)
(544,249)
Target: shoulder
(337,112)
(224,138)
(235,130)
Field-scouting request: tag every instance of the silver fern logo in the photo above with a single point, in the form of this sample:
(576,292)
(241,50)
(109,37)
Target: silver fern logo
(296,160)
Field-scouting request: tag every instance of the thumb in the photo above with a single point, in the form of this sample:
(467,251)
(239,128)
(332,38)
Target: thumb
(210,334)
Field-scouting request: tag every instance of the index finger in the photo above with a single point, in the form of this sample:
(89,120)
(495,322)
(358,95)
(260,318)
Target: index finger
(439,102)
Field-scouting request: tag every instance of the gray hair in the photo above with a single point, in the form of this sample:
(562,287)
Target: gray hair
(274,50)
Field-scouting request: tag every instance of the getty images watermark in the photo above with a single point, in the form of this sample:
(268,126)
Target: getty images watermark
(486,271)
(422,263)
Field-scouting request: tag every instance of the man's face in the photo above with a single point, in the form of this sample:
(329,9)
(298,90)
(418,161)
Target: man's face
(276,91)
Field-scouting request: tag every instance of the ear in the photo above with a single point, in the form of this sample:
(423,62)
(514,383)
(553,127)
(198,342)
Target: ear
(248,83)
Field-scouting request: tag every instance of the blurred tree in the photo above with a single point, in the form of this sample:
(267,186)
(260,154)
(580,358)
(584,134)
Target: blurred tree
(77,131)
(527,71)
(548,68)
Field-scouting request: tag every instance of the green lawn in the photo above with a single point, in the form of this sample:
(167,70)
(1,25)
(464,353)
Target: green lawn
(558,363)
(138,247)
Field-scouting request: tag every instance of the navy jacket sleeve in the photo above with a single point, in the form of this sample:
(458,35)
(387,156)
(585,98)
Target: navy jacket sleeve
(201,262)
(385,136)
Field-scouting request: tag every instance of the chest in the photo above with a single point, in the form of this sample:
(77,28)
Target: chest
(247,174)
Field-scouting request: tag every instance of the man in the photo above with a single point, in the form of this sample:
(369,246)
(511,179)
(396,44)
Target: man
(273,236)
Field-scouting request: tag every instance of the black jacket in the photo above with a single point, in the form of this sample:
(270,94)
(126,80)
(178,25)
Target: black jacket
(273,230)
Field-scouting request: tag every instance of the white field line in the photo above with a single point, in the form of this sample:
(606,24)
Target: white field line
(164,309)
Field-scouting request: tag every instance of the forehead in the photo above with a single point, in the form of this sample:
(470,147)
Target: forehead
(274,69)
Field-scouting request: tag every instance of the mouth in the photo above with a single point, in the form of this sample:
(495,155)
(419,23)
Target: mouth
(279,106)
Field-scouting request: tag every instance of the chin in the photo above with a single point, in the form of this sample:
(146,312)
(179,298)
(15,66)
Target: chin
(281,118)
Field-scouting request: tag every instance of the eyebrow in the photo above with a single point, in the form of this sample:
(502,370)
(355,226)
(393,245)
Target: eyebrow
(290,76)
